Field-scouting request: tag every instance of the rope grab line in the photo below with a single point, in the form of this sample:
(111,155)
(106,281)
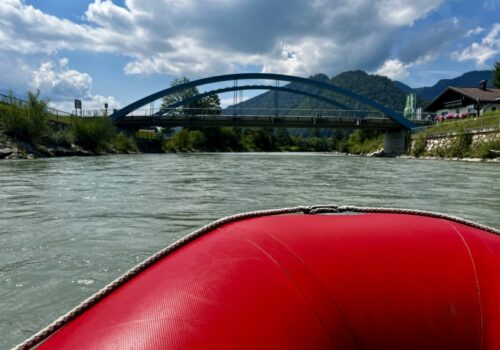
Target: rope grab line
(306,210)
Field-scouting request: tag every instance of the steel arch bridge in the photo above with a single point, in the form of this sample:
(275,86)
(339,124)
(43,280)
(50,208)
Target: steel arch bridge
(128,116)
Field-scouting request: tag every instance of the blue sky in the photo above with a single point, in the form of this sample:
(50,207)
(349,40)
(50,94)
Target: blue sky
(118,51)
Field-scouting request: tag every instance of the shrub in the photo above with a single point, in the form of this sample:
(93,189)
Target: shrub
(93,133)
(484,150)
(363,142)
(27,121)
(196,140)
(258,139)
(439,152)
(459,147)
(62,137)
(178,142)
(419,146)
(124,143)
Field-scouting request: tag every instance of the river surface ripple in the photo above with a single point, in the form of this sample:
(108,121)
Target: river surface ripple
(70,226)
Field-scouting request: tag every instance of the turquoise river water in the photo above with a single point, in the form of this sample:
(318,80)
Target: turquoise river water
(70,226)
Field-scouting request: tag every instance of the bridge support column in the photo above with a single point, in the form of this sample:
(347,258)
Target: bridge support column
(395,143)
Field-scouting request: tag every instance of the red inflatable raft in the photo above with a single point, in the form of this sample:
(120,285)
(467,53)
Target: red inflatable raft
(303,281)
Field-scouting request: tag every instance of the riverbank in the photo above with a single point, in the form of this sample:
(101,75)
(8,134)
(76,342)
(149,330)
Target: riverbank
(480,144)
(470,139)
(12,148)
(29,131)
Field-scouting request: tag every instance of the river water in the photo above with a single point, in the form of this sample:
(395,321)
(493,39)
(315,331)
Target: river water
(70,226)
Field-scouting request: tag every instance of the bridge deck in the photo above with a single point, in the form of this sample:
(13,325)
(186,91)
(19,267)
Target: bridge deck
(384,124)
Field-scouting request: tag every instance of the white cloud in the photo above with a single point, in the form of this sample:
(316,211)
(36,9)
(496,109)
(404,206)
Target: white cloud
(201,37)
(61,85)
(28,30)
(60,82)
(481,52)
(475,31)
(403,12)
(393,69)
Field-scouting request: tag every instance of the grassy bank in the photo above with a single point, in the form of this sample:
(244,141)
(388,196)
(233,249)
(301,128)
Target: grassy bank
(461,143)
(35,131)
(488,120)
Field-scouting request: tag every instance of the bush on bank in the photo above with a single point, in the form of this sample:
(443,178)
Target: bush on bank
(26,122)
(99,134)
(270,140)
(419,147)
(94,134)
(30,122)
(486,150)
(364,141)
(461,146)
(124,143)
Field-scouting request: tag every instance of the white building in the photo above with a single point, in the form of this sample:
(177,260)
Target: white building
(471,101)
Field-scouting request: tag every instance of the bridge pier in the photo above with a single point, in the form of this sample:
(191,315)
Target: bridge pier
(395,143)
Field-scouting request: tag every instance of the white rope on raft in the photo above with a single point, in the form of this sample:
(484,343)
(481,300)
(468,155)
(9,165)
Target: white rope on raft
(308,210)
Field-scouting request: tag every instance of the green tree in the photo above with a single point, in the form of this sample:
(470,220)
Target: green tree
(283,138)
(207,105)
(496,75)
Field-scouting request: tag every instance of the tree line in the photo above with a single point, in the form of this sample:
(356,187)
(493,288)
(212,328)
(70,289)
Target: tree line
(229,139)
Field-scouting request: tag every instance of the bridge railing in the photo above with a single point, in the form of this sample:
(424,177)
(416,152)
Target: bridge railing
(92,113)
(235,112)
(206,117)
(9,100)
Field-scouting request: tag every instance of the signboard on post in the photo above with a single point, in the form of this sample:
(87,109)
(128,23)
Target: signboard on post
(78,104)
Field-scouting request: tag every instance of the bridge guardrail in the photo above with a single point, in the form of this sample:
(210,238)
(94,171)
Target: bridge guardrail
(11,100)
(285,113)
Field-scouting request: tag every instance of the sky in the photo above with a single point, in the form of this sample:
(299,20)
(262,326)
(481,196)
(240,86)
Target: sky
(117,51)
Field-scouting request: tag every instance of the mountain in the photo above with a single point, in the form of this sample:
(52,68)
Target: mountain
(469,79)
(378,88)
(375,87)
(403,87)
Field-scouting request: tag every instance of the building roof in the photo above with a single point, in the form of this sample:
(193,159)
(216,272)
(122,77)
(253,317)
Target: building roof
(464,96)
(488,95)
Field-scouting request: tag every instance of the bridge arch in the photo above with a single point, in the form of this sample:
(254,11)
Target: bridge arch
(397,117)
(254,87)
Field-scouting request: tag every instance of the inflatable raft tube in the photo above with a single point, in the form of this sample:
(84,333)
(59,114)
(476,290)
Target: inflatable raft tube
(295,279)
